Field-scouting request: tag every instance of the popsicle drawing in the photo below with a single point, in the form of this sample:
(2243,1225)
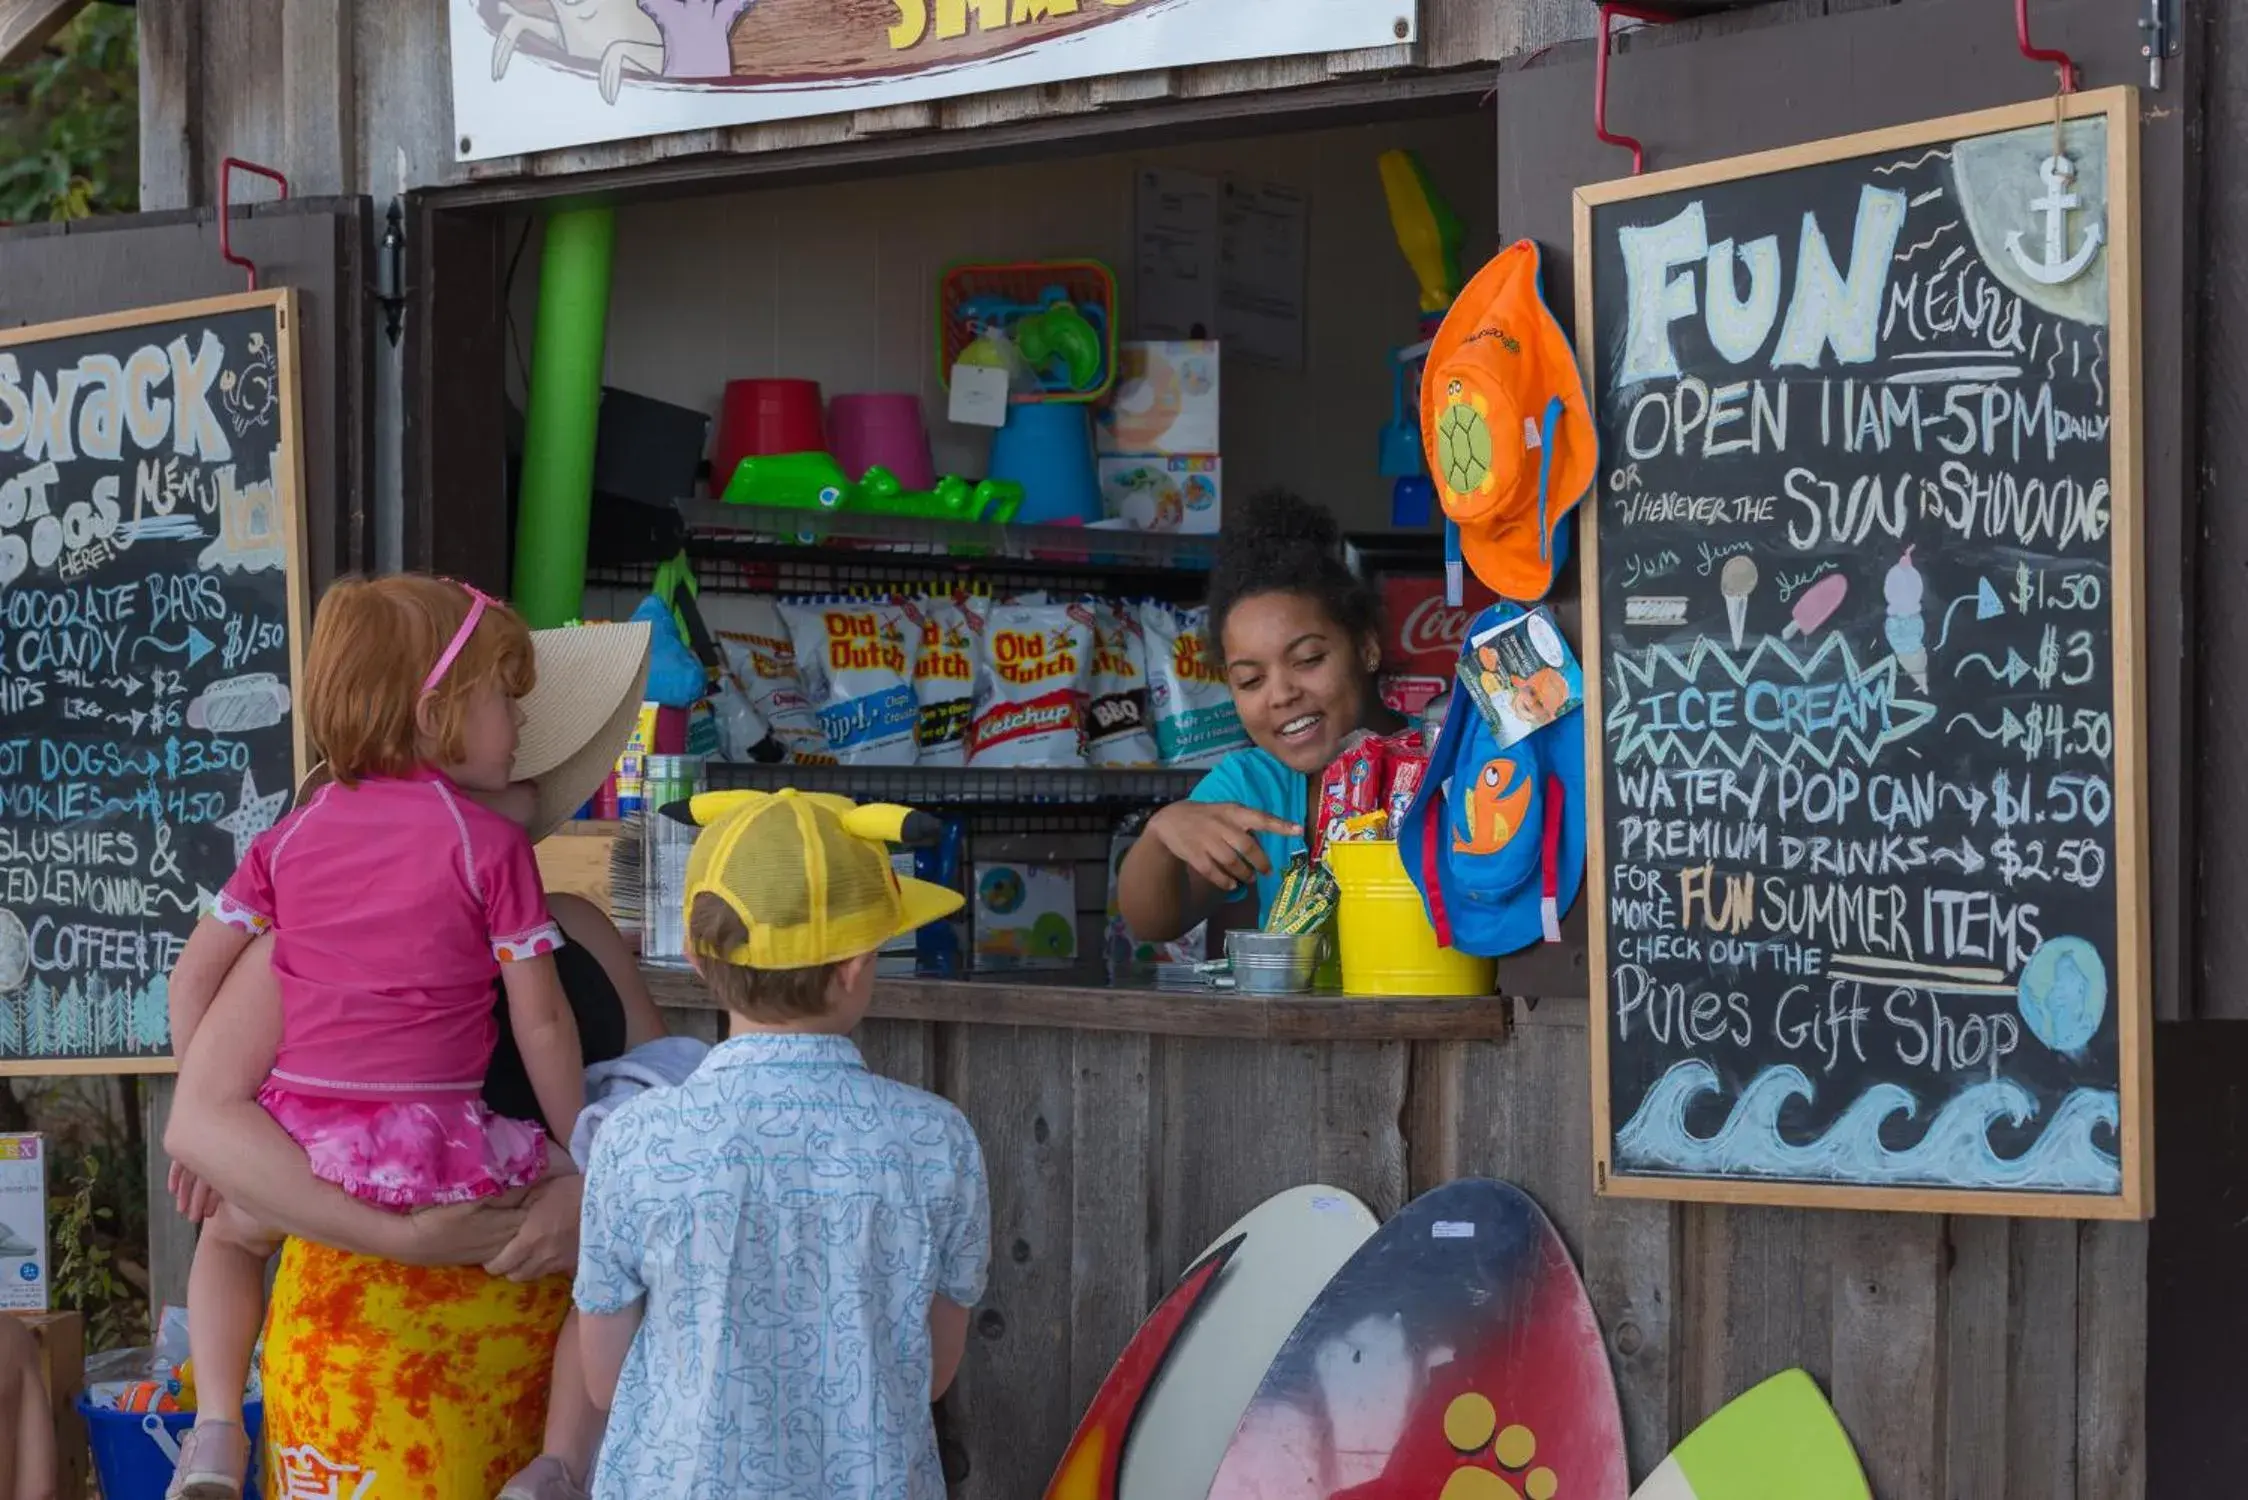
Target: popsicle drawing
(1816,605)
(1906,628)
(1737,582)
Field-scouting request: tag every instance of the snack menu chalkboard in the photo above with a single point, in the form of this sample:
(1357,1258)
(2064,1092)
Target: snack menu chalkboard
(149,608)
(1863,607)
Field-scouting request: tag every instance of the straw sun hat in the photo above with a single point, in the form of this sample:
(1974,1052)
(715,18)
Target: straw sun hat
(591,679)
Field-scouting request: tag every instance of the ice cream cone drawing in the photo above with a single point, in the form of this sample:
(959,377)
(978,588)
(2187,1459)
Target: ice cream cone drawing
(1737,582)
(1906,628)
(1816,605)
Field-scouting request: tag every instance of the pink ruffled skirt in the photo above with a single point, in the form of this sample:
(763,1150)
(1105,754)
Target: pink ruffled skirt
(407,1154)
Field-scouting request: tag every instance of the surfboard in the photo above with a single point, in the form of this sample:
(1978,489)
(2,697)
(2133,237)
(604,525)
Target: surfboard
(1778,1441)
(1455,1357)
(1181,1384)
(1092,1463)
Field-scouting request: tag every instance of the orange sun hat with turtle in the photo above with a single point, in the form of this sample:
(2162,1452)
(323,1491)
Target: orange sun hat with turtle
(1508,430)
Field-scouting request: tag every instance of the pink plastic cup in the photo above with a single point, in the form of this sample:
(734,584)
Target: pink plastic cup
(882,428)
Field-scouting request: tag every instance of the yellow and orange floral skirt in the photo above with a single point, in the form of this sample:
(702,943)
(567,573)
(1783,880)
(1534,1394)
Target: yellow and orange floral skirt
(391,1382)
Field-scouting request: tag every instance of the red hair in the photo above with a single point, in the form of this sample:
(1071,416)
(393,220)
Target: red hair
(374,641)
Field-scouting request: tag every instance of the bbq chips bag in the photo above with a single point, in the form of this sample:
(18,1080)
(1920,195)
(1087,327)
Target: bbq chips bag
(1118,731)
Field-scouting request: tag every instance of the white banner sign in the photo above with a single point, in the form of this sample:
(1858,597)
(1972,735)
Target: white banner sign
(540,75)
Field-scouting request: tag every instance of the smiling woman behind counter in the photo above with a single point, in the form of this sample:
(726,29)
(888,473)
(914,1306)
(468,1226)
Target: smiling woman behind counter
(1299,636)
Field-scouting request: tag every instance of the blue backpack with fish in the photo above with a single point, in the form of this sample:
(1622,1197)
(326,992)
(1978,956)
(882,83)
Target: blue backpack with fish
(1495,837)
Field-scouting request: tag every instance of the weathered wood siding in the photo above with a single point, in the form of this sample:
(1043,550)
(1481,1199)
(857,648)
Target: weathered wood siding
(1971,1359)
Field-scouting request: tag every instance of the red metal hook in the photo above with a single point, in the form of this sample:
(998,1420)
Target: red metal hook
(1600,128)
(226,210)
(2059,59)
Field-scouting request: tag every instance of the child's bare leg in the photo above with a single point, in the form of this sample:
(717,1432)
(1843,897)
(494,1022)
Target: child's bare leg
(225,1305)
(573,1422)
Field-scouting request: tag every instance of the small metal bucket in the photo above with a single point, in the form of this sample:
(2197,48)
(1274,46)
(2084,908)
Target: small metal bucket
(1274,963)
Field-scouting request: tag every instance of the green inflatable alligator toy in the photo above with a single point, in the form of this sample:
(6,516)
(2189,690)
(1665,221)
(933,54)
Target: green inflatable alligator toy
(815,481)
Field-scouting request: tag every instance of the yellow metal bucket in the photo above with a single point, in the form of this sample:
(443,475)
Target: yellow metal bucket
(1388,945)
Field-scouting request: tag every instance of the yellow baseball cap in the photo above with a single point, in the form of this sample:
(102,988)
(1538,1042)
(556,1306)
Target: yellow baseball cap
(808,874)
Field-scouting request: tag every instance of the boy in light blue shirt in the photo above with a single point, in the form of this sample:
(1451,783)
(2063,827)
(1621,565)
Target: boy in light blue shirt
(778,1256)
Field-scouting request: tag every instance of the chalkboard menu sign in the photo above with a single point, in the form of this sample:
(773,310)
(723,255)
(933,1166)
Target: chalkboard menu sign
(149,600)
(1863,606)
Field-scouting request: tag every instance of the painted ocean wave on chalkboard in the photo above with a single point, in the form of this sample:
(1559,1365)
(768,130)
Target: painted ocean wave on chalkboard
(1955,1153)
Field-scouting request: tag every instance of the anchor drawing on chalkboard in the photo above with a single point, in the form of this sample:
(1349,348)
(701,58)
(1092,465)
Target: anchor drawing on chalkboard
(2058,172)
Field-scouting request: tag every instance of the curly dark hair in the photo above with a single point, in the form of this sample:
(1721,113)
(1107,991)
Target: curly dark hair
(1281,543)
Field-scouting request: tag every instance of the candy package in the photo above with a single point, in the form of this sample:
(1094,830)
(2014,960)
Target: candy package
(1117,728)
(1031,667)
(855,658)
(1195,723)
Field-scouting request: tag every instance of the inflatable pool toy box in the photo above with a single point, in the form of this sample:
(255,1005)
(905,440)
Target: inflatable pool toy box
(1156,439)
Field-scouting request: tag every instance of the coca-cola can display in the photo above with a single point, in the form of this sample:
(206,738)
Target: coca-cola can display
(1422,637)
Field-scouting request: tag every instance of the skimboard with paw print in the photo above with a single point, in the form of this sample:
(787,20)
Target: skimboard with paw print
(1454,1357)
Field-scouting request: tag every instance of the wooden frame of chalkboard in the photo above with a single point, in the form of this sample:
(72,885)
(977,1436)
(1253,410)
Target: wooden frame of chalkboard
(152,585)
(1871,933)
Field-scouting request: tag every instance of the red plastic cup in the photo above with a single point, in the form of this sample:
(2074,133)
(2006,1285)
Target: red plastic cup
(759,418)
(883,428)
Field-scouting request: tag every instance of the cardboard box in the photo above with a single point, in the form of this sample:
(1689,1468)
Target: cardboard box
(1166,400)
(61,1337)
(1025,915)
(1155,492)
(23,1223)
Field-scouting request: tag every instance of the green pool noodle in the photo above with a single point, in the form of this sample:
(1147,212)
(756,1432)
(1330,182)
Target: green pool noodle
(563,416)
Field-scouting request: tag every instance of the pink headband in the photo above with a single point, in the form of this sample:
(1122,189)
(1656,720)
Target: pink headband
(478,599)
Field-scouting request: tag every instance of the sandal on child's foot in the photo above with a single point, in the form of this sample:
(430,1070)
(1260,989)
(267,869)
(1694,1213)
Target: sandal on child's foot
(547,1478)
(214,1457)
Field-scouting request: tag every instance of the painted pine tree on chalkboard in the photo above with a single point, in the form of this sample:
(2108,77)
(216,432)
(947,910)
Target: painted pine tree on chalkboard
(38,1019)
(152,1021)
(110,1005)
(73,1027)
(11,1026)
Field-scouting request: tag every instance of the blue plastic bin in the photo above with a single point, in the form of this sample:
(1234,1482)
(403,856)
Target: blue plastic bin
(130,1460)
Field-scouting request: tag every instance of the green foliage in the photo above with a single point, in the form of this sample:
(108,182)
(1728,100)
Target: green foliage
(70,122)
(83,1232)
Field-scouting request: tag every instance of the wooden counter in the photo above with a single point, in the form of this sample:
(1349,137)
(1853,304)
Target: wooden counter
(1078,1004)
(1123,1131)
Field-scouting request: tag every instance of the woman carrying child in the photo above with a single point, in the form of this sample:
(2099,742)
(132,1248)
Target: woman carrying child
(395,897)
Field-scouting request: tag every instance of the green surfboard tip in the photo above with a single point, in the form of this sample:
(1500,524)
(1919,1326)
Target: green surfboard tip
(1778,1441)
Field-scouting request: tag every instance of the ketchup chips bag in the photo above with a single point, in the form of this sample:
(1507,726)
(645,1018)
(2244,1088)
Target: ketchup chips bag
(1032,664)
(855,657)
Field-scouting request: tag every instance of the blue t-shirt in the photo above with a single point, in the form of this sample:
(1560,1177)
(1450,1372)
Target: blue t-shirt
(784,1217)
(1254,778)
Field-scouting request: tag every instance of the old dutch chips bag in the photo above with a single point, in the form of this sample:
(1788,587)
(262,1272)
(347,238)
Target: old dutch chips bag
(855,657)
(943,680)
(1195,723)
(1031,668)
(1118,731)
